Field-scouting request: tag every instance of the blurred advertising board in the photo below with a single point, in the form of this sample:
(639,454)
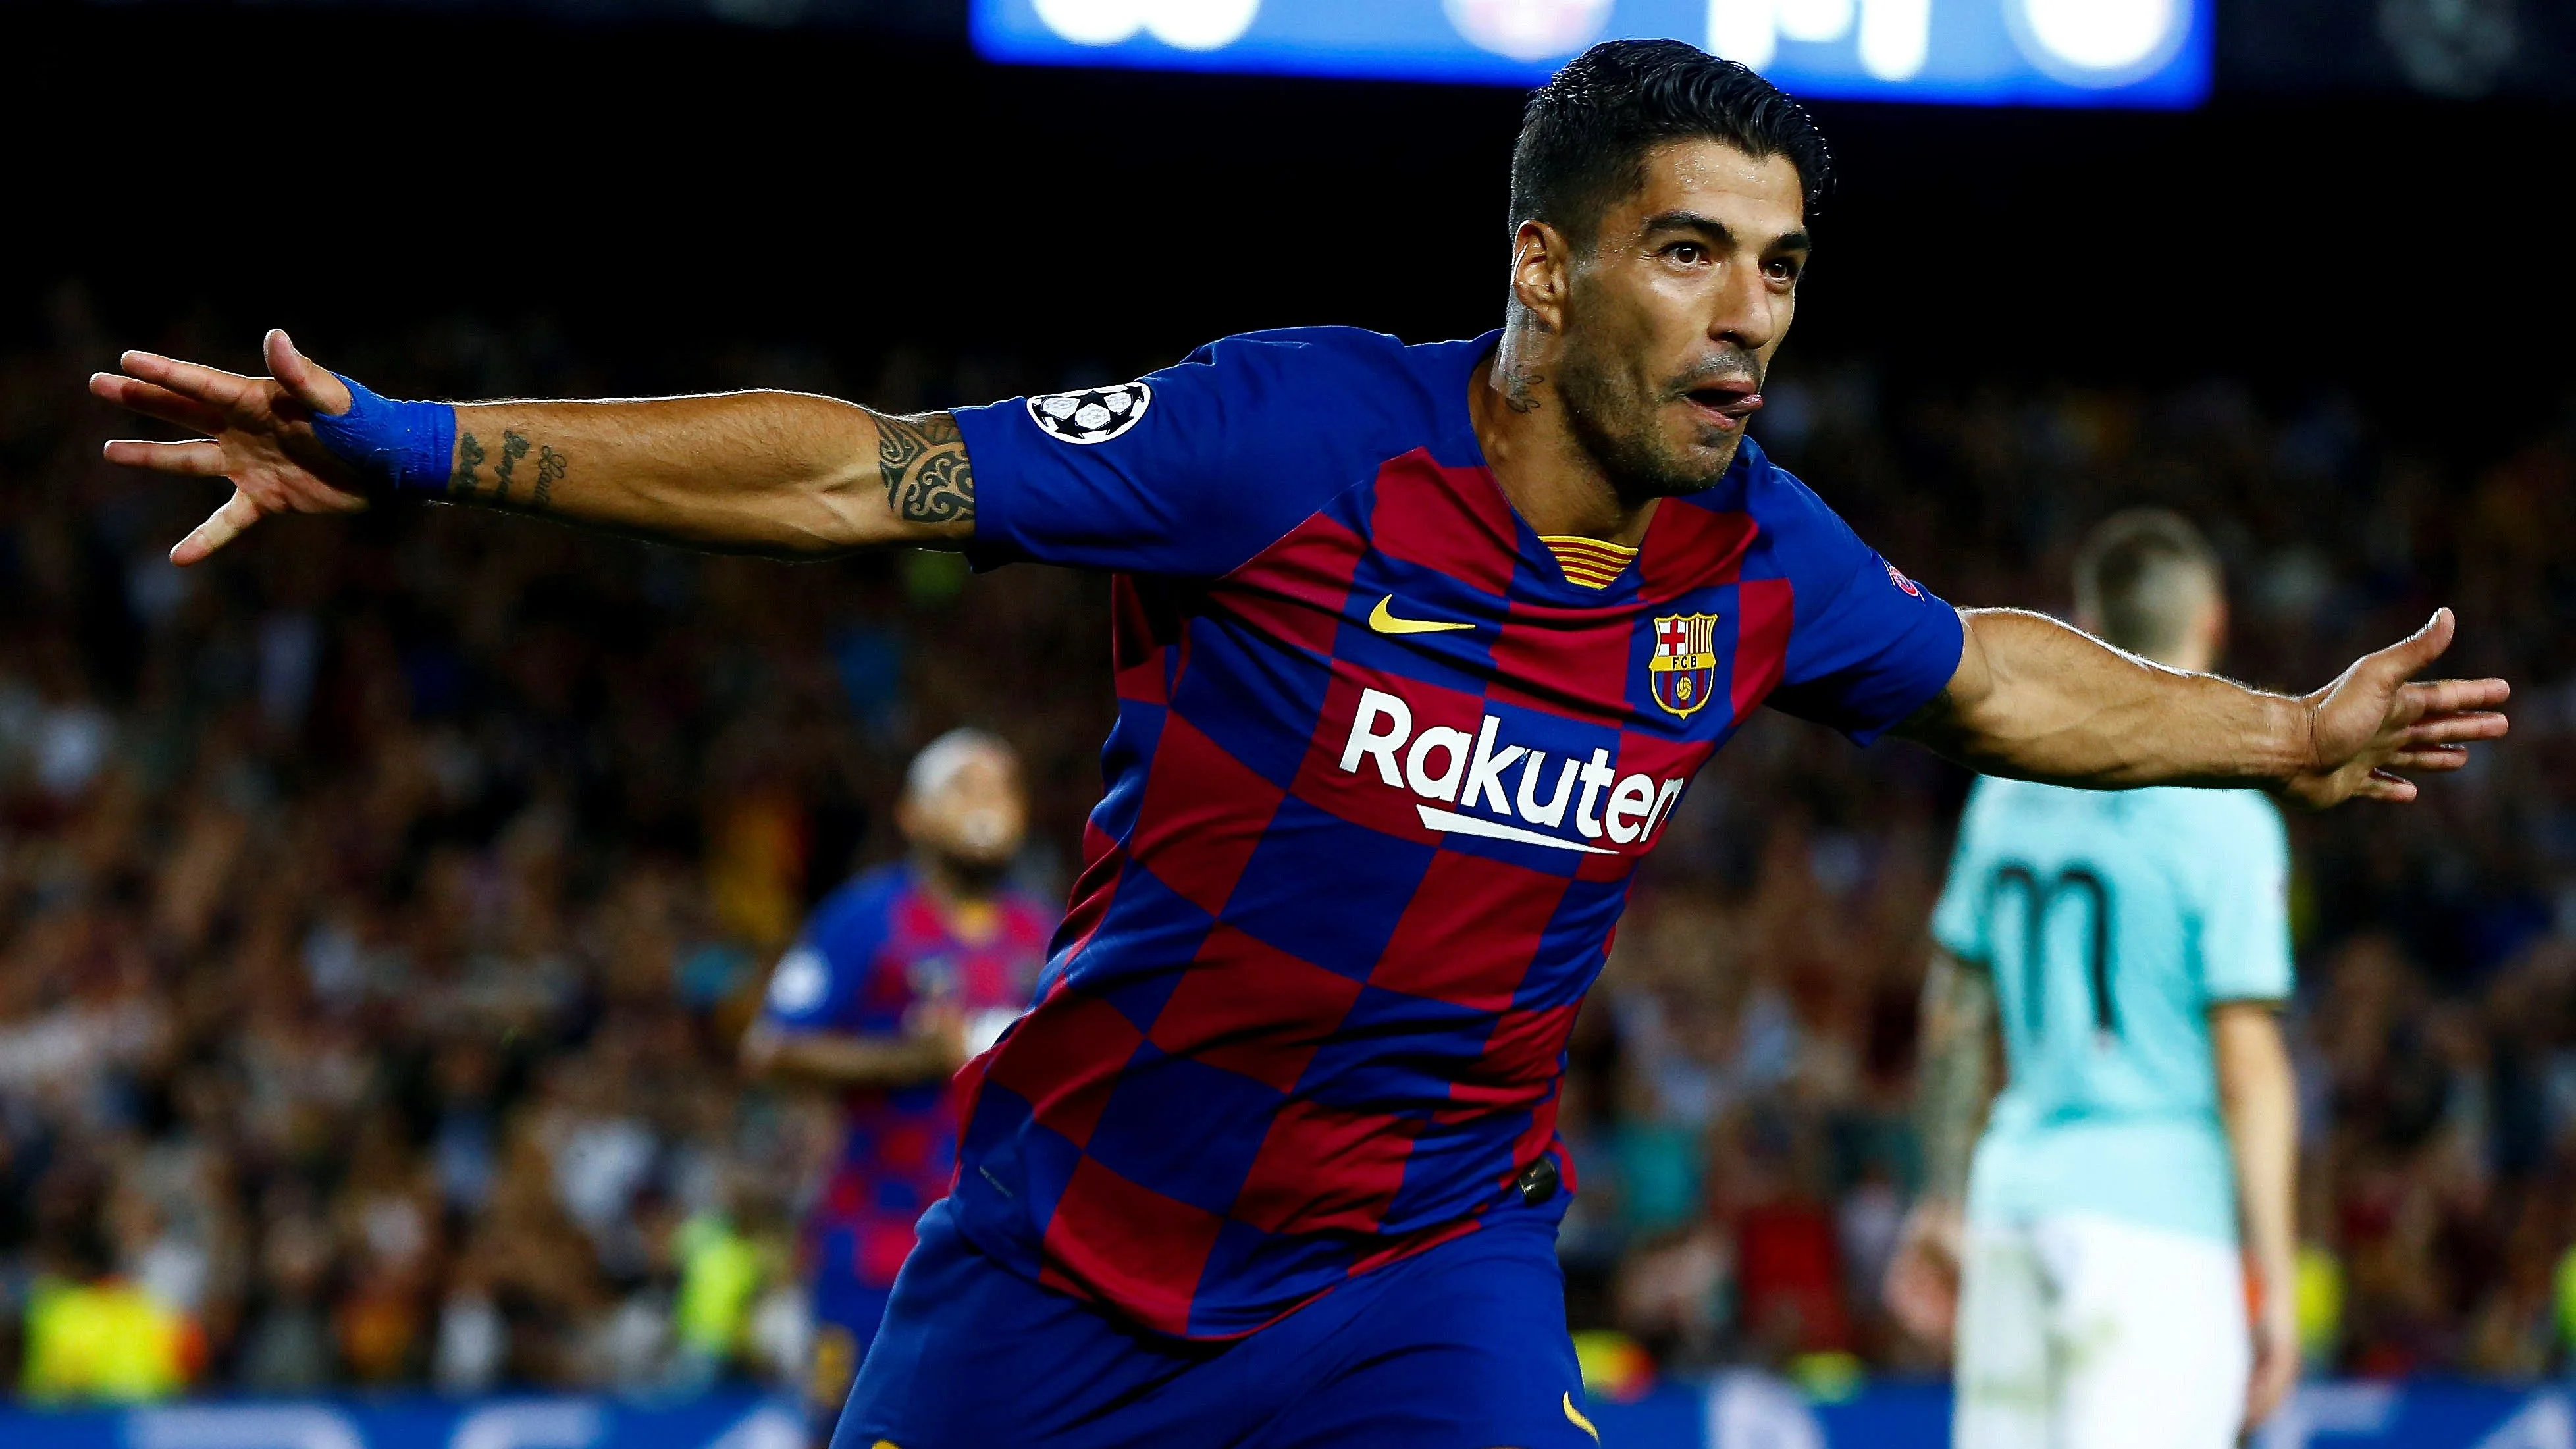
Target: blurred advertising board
(1736,1411)
(2131,53)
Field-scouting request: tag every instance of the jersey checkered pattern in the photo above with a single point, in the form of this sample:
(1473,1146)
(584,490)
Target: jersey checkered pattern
(1375,795)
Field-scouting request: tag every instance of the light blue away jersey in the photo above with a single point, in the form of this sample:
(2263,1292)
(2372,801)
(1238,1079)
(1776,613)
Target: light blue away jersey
(2112,922)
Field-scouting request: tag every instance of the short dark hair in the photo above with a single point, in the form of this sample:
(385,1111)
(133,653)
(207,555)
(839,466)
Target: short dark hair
(2141,576)
(1585,134)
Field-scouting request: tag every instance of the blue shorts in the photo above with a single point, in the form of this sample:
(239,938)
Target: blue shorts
(1460,1347)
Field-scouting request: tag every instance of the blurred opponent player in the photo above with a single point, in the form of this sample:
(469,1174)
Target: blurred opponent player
(2133,950)
(1416,649)
(900,976)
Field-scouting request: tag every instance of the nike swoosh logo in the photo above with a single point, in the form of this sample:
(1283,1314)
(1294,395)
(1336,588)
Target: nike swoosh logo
(1385,622)
(1580,1422)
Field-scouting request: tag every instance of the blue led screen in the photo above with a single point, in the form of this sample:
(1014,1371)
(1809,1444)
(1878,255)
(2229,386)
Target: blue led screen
(2138,53)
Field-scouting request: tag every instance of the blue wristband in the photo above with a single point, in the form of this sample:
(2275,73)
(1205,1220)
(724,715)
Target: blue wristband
(404,446)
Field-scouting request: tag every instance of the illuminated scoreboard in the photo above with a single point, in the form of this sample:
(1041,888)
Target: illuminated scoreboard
(1980,52)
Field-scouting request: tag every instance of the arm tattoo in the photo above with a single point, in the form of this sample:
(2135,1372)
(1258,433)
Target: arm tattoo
(513,448)
(923,462)
(550,468)
(469,456)
(1955,1086)
(463,485)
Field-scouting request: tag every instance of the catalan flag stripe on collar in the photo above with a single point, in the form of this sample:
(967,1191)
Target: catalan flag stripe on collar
(1588,561)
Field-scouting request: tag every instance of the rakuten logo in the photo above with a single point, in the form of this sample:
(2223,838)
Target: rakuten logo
(1456,768)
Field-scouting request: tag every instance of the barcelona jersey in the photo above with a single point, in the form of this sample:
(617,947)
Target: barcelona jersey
(874,952)
(1383,763)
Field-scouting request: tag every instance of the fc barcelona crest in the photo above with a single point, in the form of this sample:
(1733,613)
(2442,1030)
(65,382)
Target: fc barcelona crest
(1683,672)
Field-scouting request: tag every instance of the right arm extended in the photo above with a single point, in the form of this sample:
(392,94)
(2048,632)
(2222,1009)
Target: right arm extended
(783,474)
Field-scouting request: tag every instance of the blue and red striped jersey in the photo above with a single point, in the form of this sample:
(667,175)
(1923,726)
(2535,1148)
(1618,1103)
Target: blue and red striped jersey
(874,953)
(1383,762)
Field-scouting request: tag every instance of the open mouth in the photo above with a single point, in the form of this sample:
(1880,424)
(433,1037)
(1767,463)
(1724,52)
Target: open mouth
(1726,404)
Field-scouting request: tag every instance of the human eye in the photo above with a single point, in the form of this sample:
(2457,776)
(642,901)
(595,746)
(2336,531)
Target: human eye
(1688,253)
(1783,270)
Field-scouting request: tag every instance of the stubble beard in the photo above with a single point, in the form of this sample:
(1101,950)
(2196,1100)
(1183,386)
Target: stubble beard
(1617,421)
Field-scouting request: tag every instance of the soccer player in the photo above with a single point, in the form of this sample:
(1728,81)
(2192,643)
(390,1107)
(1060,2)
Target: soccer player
(1415,650)
(2131,950)
(900,976)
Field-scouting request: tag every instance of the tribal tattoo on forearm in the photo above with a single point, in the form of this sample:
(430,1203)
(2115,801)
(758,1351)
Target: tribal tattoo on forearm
(923,462)
(464,487)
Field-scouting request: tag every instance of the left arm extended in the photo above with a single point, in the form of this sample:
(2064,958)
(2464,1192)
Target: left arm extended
(2035,699)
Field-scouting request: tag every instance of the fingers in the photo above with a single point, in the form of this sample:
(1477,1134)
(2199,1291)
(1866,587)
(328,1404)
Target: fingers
(314,386)
(189,379)
(2434,758)
(2457,696)
(197,458)
(2455,729)
(155,401)
(225,525)
(2382,784)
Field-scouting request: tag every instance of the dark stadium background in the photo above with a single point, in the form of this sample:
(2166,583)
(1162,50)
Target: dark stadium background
(2326,314)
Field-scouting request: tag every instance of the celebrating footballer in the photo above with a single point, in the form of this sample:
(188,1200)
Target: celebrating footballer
(1416,649)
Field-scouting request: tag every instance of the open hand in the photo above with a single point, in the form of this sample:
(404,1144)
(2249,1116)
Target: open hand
(257,432)
(2372,723)
(1922,1289)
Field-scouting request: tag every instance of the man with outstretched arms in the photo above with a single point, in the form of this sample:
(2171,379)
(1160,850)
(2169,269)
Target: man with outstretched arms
(1416,649)
(899,977)
(2132,950)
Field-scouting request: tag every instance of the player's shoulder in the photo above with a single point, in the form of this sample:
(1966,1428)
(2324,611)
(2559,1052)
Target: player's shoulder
(2228,828)
(1993,804)
(1346,376)
(1797,525)
(1755,483)
(1355,348)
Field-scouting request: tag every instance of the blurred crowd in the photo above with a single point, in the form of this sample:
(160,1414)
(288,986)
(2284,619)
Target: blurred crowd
(381,902)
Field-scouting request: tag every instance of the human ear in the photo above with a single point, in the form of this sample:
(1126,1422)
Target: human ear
(1540,268)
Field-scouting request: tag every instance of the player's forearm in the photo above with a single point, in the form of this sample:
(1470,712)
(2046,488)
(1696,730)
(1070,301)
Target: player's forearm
(2258,1100)
(2034,699)
(837,1060)
(784,474)
(1956,1081)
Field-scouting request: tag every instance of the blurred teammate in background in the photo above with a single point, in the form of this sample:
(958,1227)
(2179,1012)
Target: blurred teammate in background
(2133,951)
(1416,649)
(899,977)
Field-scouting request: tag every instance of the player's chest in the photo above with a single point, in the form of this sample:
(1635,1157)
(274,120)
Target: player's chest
(1683,666)
(939,969)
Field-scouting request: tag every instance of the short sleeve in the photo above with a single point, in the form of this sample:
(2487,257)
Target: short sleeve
(1190,471)
(1867,645)
(1959,921)
(824,982)
(2243,915)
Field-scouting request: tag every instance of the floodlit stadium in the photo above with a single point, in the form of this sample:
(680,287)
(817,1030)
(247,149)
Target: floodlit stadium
(1210,732)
